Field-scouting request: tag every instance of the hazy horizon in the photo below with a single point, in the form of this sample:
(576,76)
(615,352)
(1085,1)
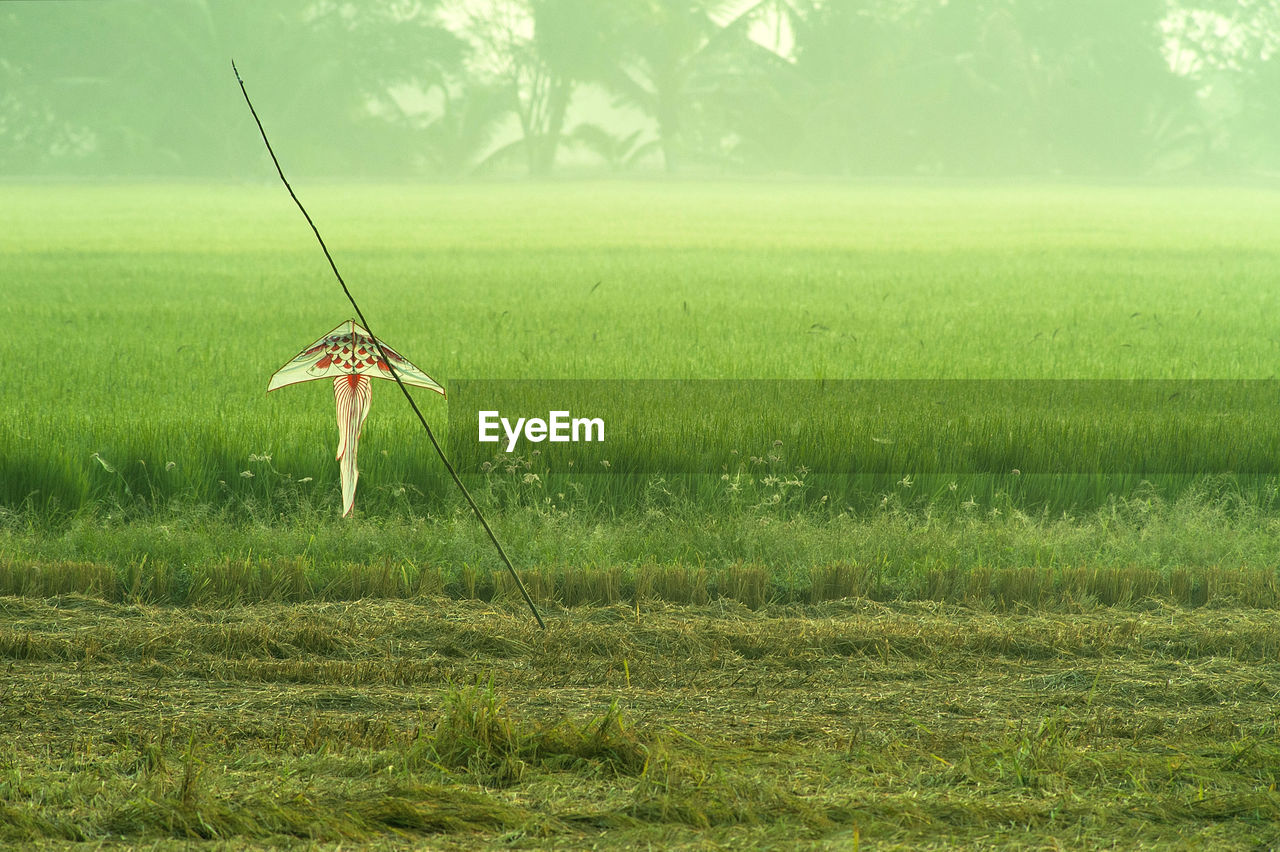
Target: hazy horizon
(425,89)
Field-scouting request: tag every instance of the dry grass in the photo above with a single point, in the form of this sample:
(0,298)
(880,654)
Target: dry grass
(229,582)
(458,724)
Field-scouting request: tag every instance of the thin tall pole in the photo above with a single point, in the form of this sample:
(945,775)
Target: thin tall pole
(390,365)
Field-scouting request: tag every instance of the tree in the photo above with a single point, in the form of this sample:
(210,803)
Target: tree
(457,140)
(985,86)
(141,87)
(673,54)
(1228,49)
(1103,83)
(617,151)
(540,50)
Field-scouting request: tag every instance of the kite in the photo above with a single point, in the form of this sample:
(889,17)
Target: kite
(350,356)
(356,376)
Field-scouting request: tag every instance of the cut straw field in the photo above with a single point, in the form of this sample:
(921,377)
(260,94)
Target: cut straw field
(456,725)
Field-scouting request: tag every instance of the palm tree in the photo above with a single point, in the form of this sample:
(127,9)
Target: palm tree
(540,50)
(619,152)
(666,43)
(457,141)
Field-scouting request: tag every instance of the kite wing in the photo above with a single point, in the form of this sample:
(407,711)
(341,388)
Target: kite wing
(348,350)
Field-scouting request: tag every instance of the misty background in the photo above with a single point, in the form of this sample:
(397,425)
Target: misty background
(446,89)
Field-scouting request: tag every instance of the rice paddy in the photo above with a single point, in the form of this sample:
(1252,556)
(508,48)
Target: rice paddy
(1013,586)
(151,318)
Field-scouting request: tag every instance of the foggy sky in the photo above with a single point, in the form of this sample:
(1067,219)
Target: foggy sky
(514,87)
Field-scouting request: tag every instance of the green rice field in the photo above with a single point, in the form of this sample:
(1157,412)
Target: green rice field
(1014,587)
(151,317)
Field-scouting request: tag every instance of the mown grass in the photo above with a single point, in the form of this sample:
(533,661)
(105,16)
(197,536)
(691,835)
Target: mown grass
(151,316)
(432,721)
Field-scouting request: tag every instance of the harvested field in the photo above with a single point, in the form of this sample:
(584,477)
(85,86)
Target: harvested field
(457,724)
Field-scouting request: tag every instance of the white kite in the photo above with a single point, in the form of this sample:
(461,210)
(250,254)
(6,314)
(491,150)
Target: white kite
(349,356)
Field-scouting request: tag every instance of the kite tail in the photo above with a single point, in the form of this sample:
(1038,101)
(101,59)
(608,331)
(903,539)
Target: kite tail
(352,394)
